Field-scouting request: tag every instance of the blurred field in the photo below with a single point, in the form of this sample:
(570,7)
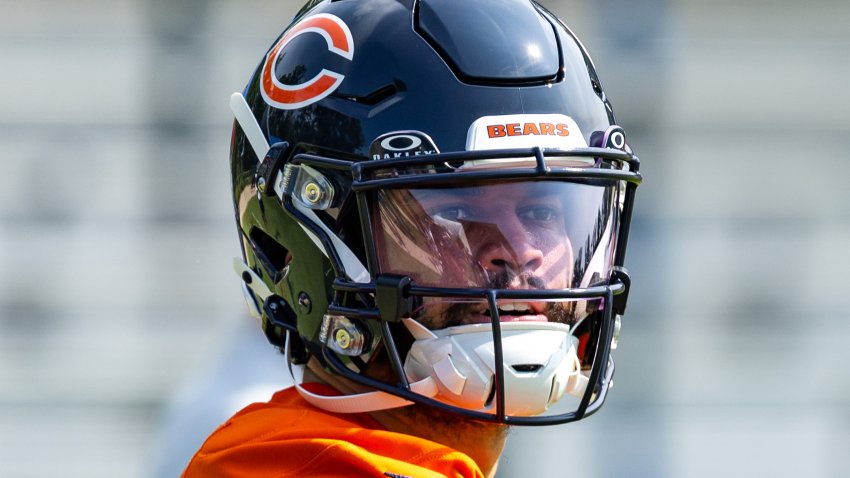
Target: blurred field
(116,233)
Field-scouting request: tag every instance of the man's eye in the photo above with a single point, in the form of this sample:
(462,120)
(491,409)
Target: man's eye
(539,213)
(452,213)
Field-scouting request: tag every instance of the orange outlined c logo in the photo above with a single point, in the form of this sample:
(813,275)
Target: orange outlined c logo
(289,97)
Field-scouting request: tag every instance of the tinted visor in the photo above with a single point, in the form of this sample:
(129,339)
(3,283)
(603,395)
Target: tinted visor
(530,234)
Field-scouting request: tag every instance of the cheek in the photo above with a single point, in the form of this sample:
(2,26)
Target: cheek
(557,266)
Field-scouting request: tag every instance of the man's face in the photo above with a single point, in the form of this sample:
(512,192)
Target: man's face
(501,236)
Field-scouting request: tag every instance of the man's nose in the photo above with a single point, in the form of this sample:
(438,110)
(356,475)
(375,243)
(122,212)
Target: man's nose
(509,248)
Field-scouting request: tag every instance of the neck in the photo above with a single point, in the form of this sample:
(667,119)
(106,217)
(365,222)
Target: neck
(481,441)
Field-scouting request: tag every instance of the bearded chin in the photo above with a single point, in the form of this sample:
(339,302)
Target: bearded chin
(458,313)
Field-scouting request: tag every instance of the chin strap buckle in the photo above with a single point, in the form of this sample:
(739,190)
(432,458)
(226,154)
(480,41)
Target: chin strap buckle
(276,315)
(278,319)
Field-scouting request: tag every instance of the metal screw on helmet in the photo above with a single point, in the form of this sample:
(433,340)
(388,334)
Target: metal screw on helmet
(312,189)
(312,192)
(305,305)
(344,336)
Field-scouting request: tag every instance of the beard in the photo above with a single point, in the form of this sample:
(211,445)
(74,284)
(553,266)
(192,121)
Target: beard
(438,315)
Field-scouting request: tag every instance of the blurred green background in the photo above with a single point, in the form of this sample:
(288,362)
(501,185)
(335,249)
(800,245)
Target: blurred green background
(119,309)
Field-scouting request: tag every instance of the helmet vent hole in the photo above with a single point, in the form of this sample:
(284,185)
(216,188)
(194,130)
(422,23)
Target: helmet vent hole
(375,97)
(270,252)
(527,368)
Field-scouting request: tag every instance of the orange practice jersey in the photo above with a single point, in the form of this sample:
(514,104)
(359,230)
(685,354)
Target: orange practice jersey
(289,437)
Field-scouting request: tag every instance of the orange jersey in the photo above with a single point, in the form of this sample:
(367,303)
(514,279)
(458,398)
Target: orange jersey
(289,437)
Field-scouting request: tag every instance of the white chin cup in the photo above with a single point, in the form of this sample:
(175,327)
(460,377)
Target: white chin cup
(540,364)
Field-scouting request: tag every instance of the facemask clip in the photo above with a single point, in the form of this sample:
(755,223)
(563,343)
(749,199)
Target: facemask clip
(622,274)
(391,296)
(269,167)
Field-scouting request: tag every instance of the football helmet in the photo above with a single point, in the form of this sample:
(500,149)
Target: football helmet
(433,200)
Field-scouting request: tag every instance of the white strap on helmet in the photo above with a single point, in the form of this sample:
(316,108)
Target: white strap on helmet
(358,403)
(355,270)
(245,117)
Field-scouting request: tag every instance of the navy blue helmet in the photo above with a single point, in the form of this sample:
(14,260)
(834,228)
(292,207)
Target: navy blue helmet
(433,200)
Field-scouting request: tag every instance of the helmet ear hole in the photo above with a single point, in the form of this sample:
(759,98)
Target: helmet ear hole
(271,254)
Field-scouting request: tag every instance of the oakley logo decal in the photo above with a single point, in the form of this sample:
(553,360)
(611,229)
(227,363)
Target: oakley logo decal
(338,37)
(401,142)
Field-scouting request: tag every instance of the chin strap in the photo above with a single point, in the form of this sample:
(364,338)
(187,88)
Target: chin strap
(358,403)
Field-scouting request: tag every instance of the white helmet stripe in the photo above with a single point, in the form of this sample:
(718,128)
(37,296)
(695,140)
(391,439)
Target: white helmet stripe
(355,269)
(245,118)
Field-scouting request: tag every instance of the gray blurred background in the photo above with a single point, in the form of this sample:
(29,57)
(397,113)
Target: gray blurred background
(121,322)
